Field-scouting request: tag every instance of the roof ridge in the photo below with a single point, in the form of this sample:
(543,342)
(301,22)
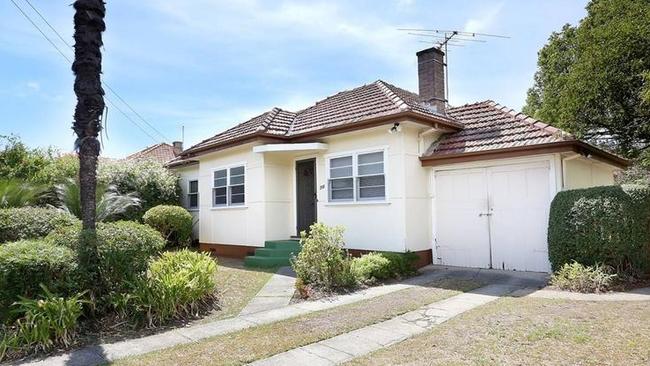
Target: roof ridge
(396,99)
(266,122)
(521,116)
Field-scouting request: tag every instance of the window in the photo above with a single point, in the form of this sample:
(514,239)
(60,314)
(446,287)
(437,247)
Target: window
(228,189)
(193,194)
(357,177)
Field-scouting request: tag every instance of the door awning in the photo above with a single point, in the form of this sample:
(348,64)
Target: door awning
(307,146)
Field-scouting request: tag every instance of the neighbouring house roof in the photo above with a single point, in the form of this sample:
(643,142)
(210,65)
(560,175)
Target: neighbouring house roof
(161,153)
(481,129)
(348,108)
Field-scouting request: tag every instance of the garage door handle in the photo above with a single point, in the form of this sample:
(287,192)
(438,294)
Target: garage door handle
(484,214)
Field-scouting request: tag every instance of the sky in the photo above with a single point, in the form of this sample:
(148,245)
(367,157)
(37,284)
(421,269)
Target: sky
(210,64)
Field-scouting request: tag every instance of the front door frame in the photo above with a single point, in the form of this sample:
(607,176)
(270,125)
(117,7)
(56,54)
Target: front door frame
(296,190)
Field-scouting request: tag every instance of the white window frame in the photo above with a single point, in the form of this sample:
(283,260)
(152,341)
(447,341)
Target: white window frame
(190,193)
(229,186)
(355,176)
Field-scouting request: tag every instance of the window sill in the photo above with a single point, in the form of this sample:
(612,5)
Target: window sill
(358,203)
(193,210)
(243,207)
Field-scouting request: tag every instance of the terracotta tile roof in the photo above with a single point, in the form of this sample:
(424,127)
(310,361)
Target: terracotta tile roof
(348,107)
(161,153)
(490,126)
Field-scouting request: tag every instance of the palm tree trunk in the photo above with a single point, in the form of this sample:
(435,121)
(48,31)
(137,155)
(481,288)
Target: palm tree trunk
(87,67)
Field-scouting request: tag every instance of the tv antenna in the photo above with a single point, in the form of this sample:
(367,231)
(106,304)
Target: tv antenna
(442,39)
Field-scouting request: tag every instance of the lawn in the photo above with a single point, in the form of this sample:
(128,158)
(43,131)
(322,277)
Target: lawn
(263,341)
(530,331)
(236,286)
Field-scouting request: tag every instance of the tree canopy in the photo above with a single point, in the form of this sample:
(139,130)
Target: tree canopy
(593,79)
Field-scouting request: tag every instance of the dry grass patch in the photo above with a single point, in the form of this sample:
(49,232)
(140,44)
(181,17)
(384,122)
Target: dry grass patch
(264,341)
(529,331)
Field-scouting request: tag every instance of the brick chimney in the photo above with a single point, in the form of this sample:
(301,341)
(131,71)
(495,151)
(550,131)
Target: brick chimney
(178,147)
(431,77)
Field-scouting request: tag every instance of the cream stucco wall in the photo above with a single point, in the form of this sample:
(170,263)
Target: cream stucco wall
(580,172)
(186,174)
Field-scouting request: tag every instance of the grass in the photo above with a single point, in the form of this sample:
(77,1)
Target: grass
(236,285)
(531,331)
(263,341)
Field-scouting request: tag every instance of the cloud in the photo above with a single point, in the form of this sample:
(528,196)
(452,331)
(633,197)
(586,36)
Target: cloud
(485,21)
(33,85)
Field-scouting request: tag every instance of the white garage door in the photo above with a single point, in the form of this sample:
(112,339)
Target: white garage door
(494,217)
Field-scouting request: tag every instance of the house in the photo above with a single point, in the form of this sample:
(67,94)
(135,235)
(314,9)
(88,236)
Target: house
(161,153)
(466,186)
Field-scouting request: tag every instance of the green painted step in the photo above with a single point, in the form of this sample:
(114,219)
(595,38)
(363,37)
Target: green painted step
(266,262)
(278,253)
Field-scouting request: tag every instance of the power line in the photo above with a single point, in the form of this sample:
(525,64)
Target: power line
(103,82)
(70,61)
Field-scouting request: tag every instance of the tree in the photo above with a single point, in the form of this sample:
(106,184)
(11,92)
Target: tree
(87,68)
(593,80)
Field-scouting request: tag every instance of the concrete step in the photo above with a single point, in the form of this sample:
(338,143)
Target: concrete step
(278,253)
(282,244)
(266,262)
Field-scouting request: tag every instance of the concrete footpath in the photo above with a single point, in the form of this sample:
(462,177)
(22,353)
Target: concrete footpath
(344,347)
(275,294)
(104,353)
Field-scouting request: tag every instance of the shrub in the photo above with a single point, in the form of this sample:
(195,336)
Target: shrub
(322,262)
(31,222)
(609,225)
(154,184)
(176,285)
(401,264)
(173,222)
(24,265)
(371,268)
(576,277)
(124,249)
(47,322)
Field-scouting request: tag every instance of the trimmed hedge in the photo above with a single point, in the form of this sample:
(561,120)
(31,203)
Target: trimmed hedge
(31,222)
(173,222)
(124,247)
(24,265)
(371,267)
(601,225)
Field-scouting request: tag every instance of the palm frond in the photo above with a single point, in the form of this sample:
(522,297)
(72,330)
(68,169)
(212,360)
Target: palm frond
(110,202)
(14,193)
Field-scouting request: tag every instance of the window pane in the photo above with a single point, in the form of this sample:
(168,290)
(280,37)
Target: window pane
(237,199)
(377,168)
(194,186)
(376,180)
(340,162)
(221,182)
(376,157)
(237,170)
(236,179)
(372,193)
(341,172)
(342,194)
(220,174)
(194,200)
(220,196)
(237,189)
(341,183)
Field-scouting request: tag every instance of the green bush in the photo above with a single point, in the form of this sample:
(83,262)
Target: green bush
(124,248)
(401,264)
(173,222)
(47,322)
(372,267)
(609,225)
(576,277)
(31,222)
(322,263)
(154,184)
(176,285)
(24,265)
